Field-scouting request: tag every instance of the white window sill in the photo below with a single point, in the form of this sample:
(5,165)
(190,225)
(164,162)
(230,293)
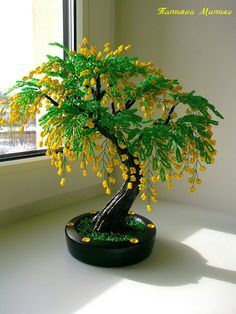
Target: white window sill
(22,165)
(191,270)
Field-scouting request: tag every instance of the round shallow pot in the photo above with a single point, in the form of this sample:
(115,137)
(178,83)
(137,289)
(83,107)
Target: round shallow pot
(108,253)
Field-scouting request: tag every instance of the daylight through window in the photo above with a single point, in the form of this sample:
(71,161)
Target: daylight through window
(26,29)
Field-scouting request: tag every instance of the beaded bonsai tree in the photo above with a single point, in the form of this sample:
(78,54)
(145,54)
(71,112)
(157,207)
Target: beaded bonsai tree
(88,100)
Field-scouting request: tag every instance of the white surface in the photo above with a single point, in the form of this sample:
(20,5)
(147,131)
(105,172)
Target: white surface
(191,270)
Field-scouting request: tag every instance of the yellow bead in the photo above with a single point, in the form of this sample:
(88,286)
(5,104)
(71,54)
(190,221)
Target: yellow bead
(93,212)
(130,185)
(136,161)
(125,176)
(143,196)
(149,208)
(134,240)
(192,189)
(187,169)
(179,176)
(59,172)
(92,82)
(70,224)
(202,168)
(153,199)
(131,212)
(68,168)
(154,179)
(128,47)
(153,191)
(108,191)
(133,178)
(168,177)
(112,180)
(63,181)
(151,226)
(86,239)
(105,184)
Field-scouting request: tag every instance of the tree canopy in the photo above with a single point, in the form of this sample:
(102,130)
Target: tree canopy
(105,108)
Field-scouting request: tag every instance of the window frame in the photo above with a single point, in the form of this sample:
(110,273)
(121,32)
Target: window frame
(69,40)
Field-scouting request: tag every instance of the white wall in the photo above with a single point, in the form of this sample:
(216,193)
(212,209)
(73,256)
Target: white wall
(200,51)
(99,21)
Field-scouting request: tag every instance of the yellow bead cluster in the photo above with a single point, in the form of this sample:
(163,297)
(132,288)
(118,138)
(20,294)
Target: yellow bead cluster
(85,50)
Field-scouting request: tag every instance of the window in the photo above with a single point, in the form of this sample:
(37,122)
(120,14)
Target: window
(26,29)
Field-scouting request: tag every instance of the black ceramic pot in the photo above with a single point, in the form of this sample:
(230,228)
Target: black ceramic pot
(107,253)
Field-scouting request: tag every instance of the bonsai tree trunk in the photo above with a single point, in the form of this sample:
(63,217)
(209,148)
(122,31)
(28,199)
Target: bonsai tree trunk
(112,216)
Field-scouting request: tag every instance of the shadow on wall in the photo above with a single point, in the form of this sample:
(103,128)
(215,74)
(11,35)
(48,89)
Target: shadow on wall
(174,264)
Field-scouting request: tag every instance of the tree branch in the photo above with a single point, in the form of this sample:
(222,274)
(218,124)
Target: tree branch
(52,101)
(113,108)
(129,103)
(98,93)
(98,85)
(170,113)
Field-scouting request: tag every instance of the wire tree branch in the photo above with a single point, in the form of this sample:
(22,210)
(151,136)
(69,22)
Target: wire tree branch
(52,100)
(129,103)
(170,113)
(113,108)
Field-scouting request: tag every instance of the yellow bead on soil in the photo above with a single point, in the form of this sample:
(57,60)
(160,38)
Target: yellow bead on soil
(134,240)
